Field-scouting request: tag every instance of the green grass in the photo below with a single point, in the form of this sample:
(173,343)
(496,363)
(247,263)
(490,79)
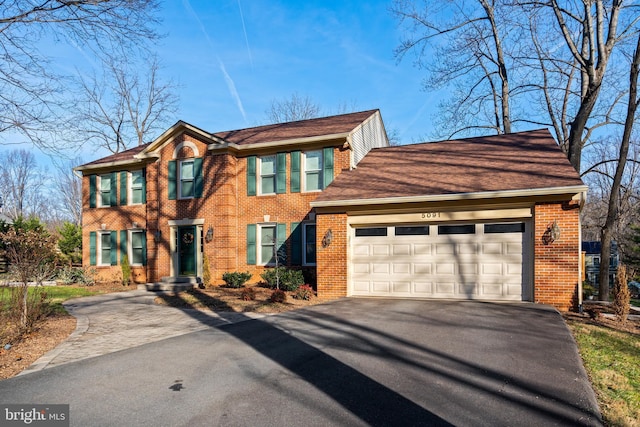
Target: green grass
(612,359)
(635,302)
(56,295)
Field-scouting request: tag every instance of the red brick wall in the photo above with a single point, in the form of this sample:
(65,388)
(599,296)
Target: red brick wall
(332,259)
(224,206)
(557,263)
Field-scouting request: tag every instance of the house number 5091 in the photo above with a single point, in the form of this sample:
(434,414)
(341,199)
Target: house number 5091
(431,215)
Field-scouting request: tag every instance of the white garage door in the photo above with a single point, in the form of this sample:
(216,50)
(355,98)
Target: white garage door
(462,261)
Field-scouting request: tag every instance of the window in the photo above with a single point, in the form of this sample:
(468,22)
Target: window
(412,231)
(105,190)
(105,248)
(517,227)
(596,261)
(137,247)
(267,175)
(187,186)
(309,244)
(457,229)
(136,189)
(313,171)
(368,232)
(267,244)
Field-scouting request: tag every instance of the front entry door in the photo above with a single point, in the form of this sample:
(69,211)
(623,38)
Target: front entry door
(187,250)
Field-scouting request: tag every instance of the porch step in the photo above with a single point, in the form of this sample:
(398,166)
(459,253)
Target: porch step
(171,284)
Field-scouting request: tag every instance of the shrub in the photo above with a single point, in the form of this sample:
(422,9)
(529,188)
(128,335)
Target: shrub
(236,279)
(289,280)
(248,294)
(206,272)
(278,295)
(621,295)
(126,271)
(304,292)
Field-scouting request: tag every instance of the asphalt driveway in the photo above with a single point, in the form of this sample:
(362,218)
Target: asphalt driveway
(349,362)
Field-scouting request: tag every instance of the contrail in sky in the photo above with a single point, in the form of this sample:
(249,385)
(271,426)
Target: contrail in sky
(244,29)
(227,78)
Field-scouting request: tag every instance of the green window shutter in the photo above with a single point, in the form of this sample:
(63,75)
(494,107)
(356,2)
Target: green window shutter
(114,248)
(92,191)
(123,188)
(172,176)
(296,243)
(144,248)
(92,247)
(281,238)
(144,185)
(123,245)
(327,171)
(295,172)
(281,173)
(251,244)
(197,176)
(251,176)
(113,195)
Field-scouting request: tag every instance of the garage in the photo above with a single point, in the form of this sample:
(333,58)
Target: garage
(493,218)
(483,261)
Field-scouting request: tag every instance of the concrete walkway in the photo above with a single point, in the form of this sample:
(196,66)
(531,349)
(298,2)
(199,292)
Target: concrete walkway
(123,320)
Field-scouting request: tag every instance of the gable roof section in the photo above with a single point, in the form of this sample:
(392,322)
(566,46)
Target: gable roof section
(331,127)
(525,162)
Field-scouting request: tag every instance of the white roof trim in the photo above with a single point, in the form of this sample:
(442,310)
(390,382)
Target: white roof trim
(108,164)
(455,197)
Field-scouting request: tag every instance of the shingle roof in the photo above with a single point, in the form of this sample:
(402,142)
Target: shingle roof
(300,129)
(121,156)
(518,161)
(331,125)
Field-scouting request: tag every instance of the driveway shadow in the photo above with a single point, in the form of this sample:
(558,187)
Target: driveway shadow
(423,377)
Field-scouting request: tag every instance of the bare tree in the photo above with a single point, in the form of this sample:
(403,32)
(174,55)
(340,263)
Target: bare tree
(590,30)
(292,109)
(68,187)
(21,182)
(461,44)
(614,195)
(125,106)
(33,97)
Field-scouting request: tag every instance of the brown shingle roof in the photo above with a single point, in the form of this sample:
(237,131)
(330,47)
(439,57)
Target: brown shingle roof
(300,129)
(518,161)
(343,123)
(121,156)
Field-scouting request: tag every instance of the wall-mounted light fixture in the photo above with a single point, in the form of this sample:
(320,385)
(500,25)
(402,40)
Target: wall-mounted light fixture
(209,236)
(552,233)
(157,235)
(326,239)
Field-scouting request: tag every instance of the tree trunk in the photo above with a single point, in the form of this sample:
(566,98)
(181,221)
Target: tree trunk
(612,212)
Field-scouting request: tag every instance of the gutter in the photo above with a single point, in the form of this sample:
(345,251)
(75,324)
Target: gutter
(576,190)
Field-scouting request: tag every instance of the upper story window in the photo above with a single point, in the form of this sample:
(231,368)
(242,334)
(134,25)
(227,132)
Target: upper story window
(313,166)
(186,178)
(187,187)
(267,174)
(136,187)
(104,185)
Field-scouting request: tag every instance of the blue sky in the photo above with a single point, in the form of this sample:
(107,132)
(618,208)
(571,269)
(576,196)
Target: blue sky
(231,58)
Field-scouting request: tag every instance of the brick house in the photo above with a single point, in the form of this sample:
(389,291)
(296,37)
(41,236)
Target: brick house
(493,218)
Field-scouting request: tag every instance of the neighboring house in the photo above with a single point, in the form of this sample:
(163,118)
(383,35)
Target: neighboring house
(492,218)
(592,262)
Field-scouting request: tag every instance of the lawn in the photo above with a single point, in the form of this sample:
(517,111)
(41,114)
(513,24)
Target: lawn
(56,294)
(612,360)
